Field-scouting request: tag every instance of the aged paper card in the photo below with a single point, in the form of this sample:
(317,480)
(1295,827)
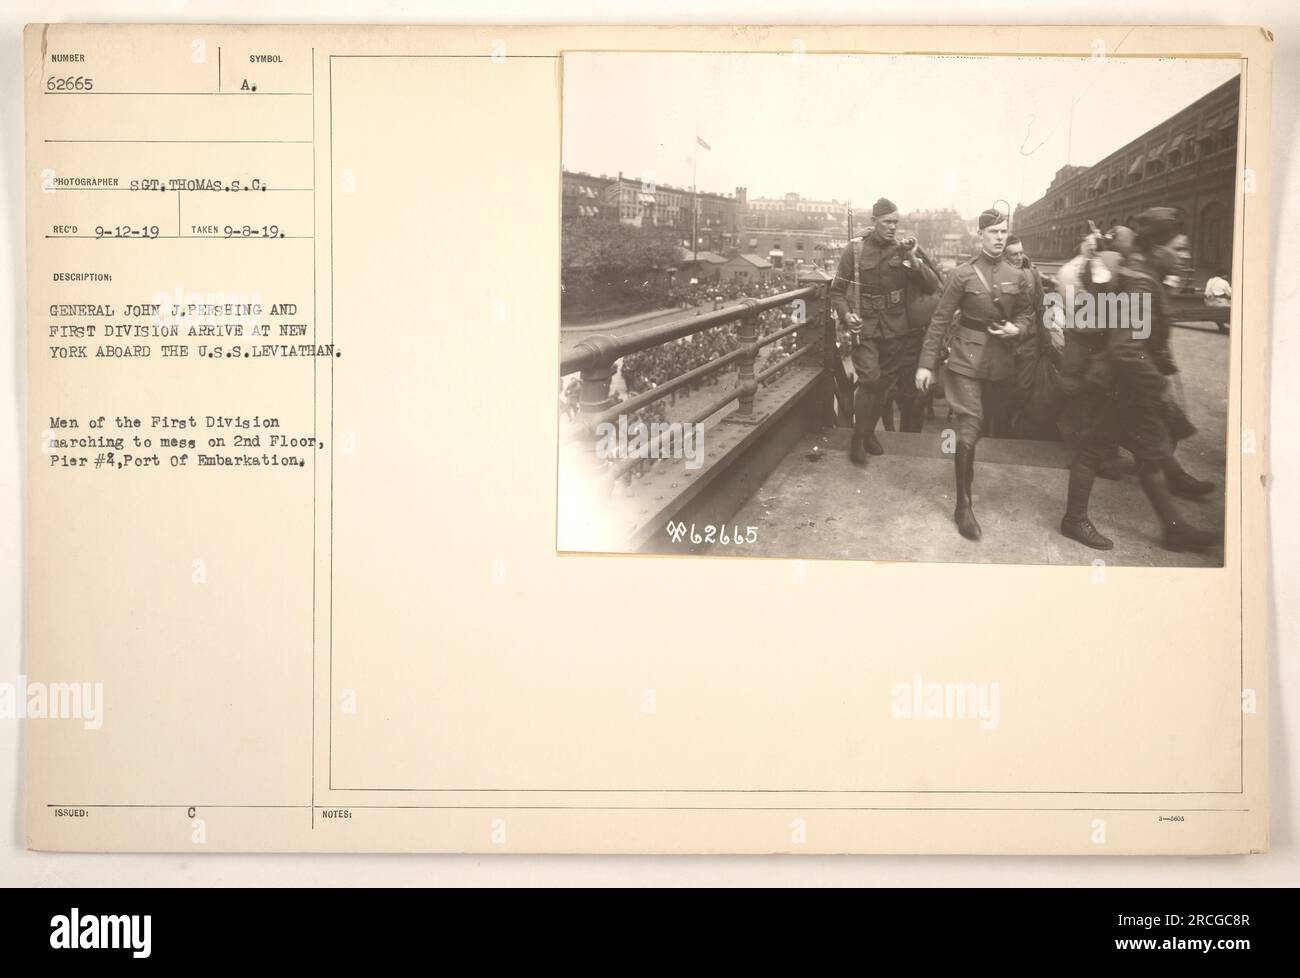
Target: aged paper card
(807,555)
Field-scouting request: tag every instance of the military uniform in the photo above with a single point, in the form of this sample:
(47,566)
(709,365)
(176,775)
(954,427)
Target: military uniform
(876,280)
(1116,382)
(1116,379)
(1036,397)
(1035,282)
(981,367)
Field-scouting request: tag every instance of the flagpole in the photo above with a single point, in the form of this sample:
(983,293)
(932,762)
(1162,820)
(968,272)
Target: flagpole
(695,197)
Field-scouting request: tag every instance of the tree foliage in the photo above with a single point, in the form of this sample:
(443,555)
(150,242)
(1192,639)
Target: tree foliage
(615,267)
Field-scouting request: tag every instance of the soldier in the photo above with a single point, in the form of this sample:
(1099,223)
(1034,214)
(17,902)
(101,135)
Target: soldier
(1118,386)
(1036,398)
(1015,255)
(877,274)
(993,299)
(1121,242)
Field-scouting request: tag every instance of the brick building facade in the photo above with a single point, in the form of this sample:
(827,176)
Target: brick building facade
(1188,162)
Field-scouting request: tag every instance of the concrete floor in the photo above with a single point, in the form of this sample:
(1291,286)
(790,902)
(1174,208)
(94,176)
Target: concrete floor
(818,505)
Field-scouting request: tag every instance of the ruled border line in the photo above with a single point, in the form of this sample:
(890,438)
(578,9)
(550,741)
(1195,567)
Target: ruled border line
(848,791)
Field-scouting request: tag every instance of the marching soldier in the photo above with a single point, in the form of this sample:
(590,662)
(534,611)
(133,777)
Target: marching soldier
(1118,388)
(1117,245)
(993,299)
(876,277)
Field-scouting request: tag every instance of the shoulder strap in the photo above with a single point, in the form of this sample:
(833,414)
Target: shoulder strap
(993,296)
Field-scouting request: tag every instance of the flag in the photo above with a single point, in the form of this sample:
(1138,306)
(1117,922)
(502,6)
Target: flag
(703,143)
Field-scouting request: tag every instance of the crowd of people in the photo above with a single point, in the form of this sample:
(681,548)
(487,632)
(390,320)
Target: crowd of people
(705,296)
(638,373)
(648,369)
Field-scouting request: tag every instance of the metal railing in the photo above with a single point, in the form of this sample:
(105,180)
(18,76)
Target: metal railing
(594,358)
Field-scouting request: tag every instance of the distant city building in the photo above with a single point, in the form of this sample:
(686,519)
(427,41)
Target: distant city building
(942,233)
(583,196)
(779,247)
(644,204)
(721,219)
(703,267)
(789,230)
(952,246)
(1188,162)
(793,212)
(746,268)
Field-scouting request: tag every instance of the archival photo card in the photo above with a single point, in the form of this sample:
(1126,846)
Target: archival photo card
(964,331)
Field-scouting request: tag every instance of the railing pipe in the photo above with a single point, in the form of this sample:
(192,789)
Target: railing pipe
(604,348)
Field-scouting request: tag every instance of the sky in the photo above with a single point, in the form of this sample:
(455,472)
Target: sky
(926,132)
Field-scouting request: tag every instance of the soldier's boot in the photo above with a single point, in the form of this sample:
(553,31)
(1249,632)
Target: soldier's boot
(910,416)
(913,413)
(1075,524)
(866,412)
(887,413)
(1178,535)
(907,417)
(1183,483)
(869,440)
(964,514)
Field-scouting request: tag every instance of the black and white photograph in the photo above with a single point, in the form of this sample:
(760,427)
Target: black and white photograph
(898,307)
